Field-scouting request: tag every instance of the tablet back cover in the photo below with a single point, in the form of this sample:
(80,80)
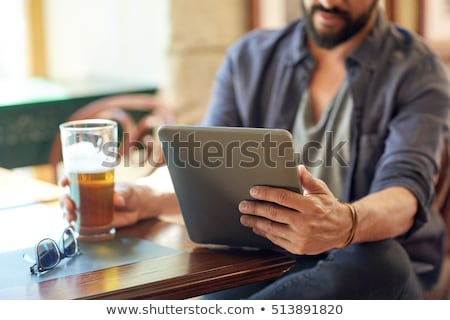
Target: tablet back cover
(212,170)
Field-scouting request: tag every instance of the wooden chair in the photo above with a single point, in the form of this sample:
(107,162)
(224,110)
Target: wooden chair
(442,204)
(137,131)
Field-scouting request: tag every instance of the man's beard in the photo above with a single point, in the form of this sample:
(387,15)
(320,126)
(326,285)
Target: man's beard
(351,27)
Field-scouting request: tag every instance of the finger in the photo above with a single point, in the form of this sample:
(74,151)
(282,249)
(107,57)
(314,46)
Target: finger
(310,184)
(66,203)
(122,220)
(69,208)
(119,199)
(266,210)
(278,234)
(122,195)
(279,241)
(266,228)
(281,196)
(158,155)
(64,181)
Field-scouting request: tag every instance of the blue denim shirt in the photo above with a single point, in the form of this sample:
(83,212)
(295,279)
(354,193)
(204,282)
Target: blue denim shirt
(401,106)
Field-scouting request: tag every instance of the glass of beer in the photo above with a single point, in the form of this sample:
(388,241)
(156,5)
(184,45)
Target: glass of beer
(89,149)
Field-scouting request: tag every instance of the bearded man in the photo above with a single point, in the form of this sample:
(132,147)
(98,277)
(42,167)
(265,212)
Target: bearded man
(364,227)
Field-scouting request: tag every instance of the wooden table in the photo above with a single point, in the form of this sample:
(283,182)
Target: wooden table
(192,272)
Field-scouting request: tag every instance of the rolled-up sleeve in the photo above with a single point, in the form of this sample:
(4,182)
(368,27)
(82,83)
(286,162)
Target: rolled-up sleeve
(414,142)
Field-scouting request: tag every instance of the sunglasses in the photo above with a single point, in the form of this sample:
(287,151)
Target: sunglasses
(49,254)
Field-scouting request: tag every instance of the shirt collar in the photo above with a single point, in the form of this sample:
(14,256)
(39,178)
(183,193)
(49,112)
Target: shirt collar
(298,51)
(367,53)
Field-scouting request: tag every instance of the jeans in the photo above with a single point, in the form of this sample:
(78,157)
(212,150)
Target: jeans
(375,270)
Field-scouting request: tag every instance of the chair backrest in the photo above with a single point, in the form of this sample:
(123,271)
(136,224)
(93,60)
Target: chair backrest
(442,201)
(153,113)
(443,178)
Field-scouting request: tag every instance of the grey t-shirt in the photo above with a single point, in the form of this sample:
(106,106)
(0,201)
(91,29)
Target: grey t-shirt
(324,146)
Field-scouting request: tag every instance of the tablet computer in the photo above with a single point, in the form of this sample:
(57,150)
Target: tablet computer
(213,169)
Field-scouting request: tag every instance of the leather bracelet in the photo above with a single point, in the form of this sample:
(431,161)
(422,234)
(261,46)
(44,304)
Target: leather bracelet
(354,214)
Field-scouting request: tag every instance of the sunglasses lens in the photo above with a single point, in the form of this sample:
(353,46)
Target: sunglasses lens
(69,243)
(48,254)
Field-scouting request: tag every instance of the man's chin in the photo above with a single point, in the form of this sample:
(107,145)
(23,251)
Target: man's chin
(328,30)
(330,34)
(327,41)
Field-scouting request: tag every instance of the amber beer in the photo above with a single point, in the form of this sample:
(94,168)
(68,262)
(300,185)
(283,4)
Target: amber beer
(89,156)
(93,197)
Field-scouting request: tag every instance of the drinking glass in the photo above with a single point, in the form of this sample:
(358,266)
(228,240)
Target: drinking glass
(89,149)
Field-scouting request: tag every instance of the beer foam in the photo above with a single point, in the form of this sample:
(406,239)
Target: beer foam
(83,157)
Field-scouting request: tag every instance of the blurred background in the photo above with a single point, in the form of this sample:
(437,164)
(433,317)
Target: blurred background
(65,48)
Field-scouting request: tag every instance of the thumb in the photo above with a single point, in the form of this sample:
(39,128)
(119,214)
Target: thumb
(122,194)
(310,184)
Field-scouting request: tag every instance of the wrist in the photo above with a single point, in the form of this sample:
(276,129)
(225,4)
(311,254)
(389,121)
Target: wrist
(154,202)
(148,202)
(353,212)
